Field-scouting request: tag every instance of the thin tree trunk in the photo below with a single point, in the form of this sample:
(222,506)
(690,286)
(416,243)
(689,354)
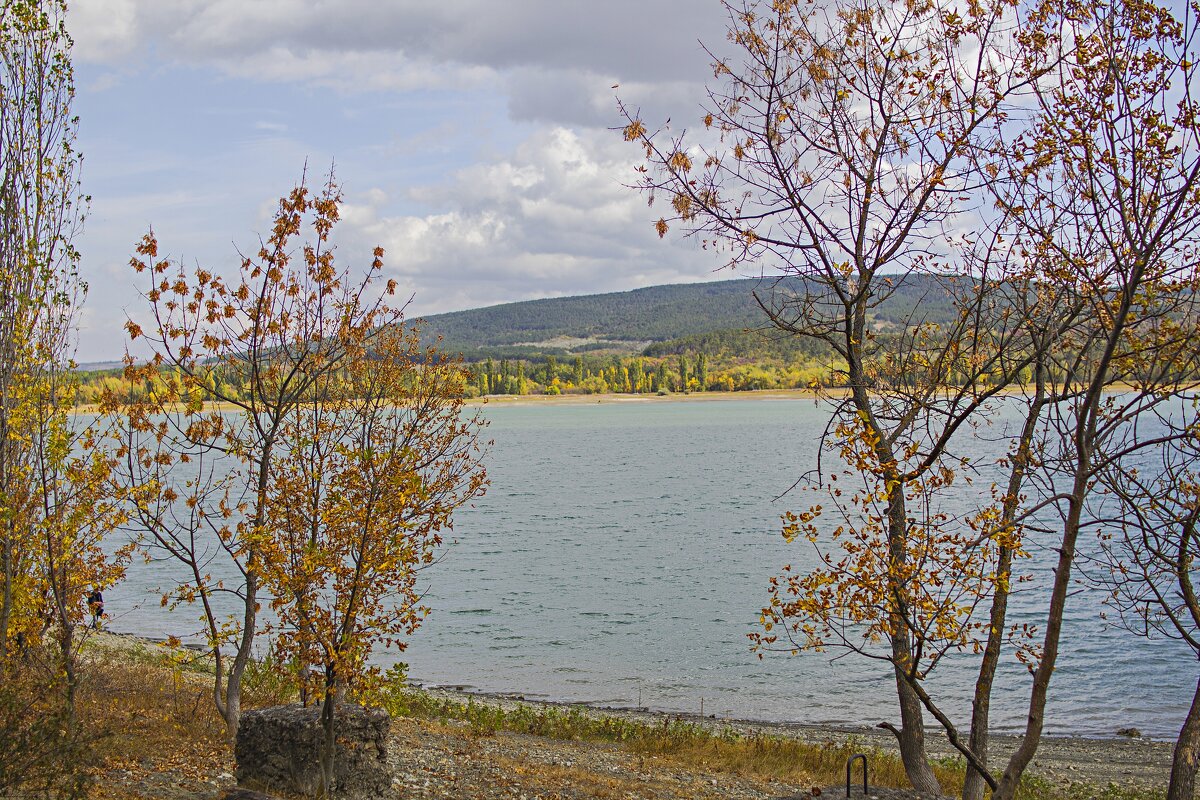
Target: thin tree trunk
(1035,720)
(7,600)
(1187,754)
(328,750)
(974,782)
(233,685)
(911,735)
(67,647)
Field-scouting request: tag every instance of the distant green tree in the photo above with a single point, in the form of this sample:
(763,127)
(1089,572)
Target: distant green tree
(702,371)
(683,372)
(578,371)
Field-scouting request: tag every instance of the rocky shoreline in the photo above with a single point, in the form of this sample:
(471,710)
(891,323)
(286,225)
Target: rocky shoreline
(446,759)
(1126,761)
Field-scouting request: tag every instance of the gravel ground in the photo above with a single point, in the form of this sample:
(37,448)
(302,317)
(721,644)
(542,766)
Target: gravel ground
(438,760)
(448,760)
(1134,762)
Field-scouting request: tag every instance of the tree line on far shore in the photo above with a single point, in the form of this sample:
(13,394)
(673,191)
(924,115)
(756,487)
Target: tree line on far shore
(717,361)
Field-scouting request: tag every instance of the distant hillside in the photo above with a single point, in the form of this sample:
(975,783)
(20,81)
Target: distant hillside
(653,314)
(630,321)
(685,337)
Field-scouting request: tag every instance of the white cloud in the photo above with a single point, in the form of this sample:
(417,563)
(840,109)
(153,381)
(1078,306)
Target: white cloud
(408,98)
(557,60)
(105,31)
(551,219)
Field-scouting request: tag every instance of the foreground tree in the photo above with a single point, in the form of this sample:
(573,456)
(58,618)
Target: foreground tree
(1151,538)
(55,503)
(242,360)
(1104,192)
(40,212)
(370,473)
(849,142)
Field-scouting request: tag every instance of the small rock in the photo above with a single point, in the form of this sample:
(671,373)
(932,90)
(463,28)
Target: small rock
(1132,733)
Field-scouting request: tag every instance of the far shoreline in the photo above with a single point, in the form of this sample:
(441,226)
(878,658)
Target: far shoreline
(626,398)
(576,399)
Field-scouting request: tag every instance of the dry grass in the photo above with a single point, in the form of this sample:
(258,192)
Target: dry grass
(770,757)
(149,719)
(154,730)
(146,718)
(696,748)
(577,779)
(683,744)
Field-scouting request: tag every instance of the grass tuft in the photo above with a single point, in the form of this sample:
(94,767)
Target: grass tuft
(146,715)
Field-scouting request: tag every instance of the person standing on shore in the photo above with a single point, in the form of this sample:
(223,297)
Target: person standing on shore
(95,603)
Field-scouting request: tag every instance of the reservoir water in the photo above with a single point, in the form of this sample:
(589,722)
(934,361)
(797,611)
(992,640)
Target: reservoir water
(622,555)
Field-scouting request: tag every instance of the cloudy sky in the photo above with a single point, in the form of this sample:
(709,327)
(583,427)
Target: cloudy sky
(472,138)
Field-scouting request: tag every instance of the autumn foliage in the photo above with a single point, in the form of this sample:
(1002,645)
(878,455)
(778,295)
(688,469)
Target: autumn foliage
(56,500)
(1039,158)
(304,441)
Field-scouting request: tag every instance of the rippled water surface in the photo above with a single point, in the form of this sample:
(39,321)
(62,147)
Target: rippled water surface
(623,553)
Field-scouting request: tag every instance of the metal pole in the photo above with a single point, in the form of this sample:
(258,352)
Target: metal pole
(850,763)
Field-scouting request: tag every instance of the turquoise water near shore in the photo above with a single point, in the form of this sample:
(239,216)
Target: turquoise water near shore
(622,555)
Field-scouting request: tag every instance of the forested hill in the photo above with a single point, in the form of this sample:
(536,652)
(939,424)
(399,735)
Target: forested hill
(628,321)
(653,314)
(683,337)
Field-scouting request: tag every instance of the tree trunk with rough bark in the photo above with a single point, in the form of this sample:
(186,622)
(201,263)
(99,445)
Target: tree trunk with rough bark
(1187,754)
(328,749)
(911,738)
(911,735)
